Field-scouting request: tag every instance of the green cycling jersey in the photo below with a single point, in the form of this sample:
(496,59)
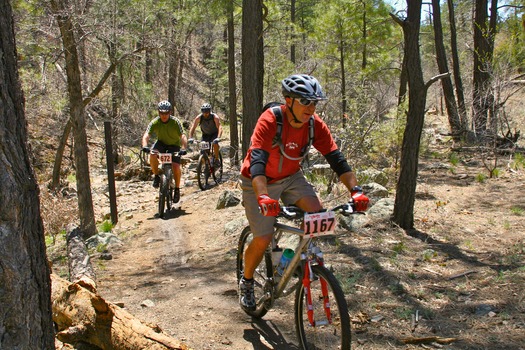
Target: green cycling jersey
(169,133)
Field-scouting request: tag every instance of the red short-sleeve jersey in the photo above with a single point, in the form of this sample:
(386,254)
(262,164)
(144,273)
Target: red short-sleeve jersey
(293,140)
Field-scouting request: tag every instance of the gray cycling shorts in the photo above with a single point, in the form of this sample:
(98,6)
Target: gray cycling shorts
(289,190)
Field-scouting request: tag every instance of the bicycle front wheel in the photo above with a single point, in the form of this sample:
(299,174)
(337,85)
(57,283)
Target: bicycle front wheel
(163,192)
(217,169)
(168,189)
(260,276)
(331,326)
(203,172)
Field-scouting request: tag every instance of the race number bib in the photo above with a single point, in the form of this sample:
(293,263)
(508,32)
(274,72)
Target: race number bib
(319,224)
(205,145)
(165,158)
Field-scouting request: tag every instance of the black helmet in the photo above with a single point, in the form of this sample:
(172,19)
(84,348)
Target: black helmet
(206,107)
(303,86)
(164,106)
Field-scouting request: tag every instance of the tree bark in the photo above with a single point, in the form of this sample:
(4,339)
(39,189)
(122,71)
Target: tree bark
(25,286)
(76,105)
(292,31)
(458,81)
(55,180)
(417,91)
(83,316)
(232,88)
(342,45)
(483,96)
(446,83)
(252,68)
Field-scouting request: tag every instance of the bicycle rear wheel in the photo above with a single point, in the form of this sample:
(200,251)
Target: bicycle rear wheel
(325,334)
(262,272)
(203,172)
(217,169)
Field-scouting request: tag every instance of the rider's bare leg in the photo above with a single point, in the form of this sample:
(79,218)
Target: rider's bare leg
(309,204)
(176,174)
(254,254)
(154,163)
(255,251)
(216,150)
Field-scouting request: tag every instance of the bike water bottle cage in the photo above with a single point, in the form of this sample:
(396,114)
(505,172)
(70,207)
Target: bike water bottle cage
(277,140)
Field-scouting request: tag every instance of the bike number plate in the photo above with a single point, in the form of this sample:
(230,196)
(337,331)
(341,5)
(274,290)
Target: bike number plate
(205,145)
(319,224)
(165,158)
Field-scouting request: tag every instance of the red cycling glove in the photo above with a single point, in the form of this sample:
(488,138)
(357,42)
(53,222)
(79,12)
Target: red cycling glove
(268,206)
(360,200)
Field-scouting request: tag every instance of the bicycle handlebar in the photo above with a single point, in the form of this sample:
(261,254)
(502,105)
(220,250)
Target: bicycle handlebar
(293,212)
(154,151)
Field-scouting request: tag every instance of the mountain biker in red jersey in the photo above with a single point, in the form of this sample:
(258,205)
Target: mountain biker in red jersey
(271,172)
(170,138)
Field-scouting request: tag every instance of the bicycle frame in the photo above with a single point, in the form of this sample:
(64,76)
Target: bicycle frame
(306,253)
(321,313)
(166,186)
(292,266)
(206,165)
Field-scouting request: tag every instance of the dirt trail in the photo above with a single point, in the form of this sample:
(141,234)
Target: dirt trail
(185,266)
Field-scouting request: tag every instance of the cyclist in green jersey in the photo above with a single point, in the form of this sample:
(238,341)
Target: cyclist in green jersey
(170,138)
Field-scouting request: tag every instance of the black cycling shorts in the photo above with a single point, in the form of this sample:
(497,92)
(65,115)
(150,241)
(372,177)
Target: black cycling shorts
(163,148)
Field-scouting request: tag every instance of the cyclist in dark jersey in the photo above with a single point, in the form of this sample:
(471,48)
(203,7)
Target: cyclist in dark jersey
(211,128)
(170,138)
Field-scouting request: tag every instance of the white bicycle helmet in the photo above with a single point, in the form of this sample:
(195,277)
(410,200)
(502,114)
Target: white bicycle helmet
(164,106)
(303,86)
(206,107)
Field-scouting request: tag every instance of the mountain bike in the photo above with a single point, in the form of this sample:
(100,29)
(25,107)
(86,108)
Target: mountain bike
(167,182)
(208,165)
(321,314)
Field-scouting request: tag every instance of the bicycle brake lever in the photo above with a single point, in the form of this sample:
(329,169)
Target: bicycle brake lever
(289,213)
(347,209)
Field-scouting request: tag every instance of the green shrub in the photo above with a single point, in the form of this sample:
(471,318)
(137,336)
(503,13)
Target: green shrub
(106,226)
(453,158)
(481,178)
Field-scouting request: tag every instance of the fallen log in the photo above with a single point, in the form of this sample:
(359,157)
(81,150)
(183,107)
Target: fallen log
(80,268)
(428,340)
(84,316)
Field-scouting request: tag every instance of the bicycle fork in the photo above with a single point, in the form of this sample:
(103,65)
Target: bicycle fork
(308,277)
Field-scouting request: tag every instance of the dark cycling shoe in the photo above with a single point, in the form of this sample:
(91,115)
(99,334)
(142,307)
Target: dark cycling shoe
(156,181)
(176,195)
(246,295)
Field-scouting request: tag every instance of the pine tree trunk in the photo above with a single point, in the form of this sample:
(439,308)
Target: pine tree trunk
(458,82)
(446,83)
(417,91)
(25,286)
(232,89)
(76,106)
(252,68)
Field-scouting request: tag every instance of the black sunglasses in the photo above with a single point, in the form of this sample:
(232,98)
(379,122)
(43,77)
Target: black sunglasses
(306,102)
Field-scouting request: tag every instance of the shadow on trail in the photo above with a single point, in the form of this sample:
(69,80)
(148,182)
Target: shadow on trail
(439,318)
(171,214)
(454,252)
(270,333)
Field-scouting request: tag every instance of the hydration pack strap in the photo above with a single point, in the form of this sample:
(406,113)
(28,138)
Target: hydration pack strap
(277,140)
